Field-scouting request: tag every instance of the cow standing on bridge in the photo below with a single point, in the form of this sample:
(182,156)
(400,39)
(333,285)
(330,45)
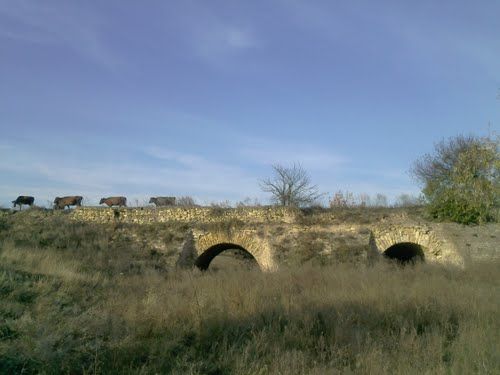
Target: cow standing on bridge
(62,203)
(162,201)
(114,201)
(23,199)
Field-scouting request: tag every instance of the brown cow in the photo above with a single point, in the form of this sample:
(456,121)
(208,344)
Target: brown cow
(114,201)
(62,203)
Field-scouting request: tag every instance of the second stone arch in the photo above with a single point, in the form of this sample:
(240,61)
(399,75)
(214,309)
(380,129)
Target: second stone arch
(202,247)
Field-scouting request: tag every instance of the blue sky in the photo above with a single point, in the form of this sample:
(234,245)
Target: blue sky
(200,97)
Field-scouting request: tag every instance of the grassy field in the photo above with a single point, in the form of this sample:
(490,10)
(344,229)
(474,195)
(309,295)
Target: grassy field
(81,299)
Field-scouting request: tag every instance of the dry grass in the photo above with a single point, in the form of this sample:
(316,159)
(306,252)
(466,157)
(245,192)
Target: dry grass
(60,314)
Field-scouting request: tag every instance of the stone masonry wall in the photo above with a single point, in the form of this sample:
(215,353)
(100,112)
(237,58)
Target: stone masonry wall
(285,229)
(187,215)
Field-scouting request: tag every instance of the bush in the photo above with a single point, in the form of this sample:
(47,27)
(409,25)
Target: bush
(461,180)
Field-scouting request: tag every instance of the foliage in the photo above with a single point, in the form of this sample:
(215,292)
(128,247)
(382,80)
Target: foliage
(461,179)
(291,186)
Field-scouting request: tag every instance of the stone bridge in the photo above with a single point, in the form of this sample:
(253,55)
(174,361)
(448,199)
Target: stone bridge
(273,236)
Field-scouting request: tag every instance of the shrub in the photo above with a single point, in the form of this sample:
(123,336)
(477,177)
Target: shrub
(461,180)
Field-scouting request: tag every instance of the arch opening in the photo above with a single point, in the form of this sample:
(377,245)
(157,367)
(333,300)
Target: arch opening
(228,255)
(405,253)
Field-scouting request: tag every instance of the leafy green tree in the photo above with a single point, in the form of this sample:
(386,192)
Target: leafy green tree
(461,179)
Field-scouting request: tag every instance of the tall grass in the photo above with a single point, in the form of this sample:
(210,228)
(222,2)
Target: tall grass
(58,314)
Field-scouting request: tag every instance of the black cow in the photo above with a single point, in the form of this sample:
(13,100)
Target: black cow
(114,201)
(23,199)
(162,201)
(62,203)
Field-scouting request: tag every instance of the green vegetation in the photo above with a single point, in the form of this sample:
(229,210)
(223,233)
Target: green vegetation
(461,179)
(86,299)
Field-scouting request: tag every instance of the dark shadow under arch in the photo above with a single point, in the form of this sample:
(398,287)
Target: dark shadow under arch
(405,252)
(204,260)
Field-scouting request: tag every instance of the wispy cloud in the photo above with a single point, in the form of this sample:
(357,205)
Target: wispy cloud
(239,38)
(329,170)
(444,36)
(167,171)
(195,172)
(189,174)
(64,24)
(213,38)
(309,156)
(330,21)
(221,43)
(184,159)
(464,38)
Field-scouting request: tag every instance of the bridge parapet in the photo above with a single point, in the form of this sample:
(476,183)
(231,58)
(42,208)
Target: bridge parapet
(188,215)
(271,234)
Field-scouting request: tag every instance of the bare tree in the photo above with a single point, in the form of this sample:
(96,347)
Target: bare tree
(221,204)
(248,202)
(343,199)
(380,200)
(290,186)
(185,201)
(364,200)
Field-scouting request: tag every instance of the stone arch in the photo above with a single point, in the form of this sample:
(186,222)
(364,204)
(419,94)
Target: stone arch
(405,252)
(208,244)
(405,242)
(203,261)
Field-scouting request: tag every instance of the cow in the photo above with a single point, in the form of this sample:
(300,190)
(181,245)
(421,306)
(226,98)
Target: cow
(62,203)
(114,201)
(162,201)
(23,199)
